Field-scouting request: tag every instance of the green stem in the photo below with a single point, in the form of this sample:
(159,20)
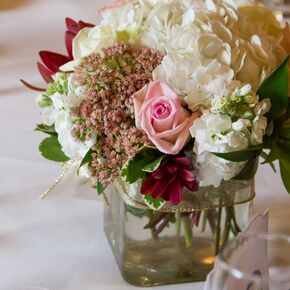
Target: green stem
(228,224)
(236,226)
(153,228)
(178,228)
(187,231)
(204,220)
(218,232)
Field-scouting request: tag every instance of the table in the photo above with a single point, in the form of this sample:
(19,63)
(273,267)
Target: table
(58,243)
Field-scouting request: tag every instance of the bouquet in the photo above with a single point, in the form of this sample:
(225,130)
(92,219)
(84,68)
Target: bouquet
(169,95)
(172,102)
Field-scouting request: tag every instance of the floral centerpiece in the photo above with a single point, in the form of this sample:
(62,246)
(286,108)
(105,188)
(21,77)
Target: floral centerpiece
(170,103)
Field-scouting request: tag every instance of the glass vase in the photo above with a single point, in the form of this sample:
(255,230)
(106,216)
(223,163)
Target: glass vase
(175,244)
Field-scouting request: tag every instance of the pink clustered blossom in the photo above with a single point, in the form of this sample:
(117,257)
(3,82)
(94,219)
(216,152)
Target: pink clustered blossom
(110,79)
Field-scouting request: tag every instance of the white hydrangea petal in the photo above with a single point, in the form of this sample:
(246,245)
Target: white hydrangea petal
(212,170)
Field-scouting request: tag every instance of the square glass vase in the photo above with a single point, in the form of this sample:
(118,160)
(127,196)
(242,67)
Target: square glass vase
(175,244)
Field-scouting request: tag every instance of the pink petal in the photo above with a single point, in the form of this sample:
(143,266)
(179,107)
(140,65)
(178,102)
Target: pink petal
(162,125)
(138,99)
(45,72)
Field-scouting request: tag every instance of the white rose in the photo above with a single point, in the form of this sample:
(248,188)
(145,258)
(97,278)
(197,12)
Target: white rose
(90,40)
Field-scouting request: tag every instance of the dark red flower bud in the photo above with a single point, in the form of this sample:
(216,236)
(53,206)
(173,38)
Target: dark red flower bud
(169,179)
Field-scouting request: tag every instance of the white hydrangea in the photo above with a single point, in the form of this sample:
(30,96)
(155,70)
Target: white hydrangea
(59,115)
(197,83)
(212,170)
(229,42)
(235,122)
(215,133)
(128,17)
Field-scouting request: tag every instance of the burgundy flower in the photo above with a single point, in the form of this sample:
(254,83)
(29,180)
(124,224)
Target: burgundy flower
(52,61)
(168,180)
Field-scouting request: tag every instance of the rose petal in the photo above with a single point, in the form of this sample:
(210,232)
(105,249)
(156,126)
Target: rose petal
(161,125)
(138,99)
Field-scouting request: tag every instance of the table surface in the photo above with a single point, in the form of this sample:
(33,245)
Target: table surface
(58,243)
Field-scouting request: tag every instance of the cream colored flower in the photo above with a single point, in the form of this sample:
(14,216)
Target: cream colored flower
(90,40)
(257,46)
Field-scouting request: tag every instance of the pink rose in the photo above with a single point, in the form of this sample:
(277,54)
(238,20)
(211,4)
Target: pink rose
(159,113)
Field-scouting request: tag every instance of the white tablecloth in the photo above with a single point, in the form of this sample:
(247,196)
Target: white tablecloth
(58,243)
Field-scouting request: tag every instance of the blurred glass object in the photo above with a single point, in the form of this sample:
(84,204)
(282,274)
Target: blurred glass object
(254,262)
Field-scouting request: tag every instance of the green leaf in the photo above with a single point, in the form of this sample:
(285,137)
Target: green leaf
(134,169)
(285,131)
(51,150)
(275,87)
(87,159)
(284,153)
(50,130)
(100,188)
(240,156)
(155,204)
(284,160)
(139,213)
(285,174)
(249,171)
(270,158)
(151,167)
